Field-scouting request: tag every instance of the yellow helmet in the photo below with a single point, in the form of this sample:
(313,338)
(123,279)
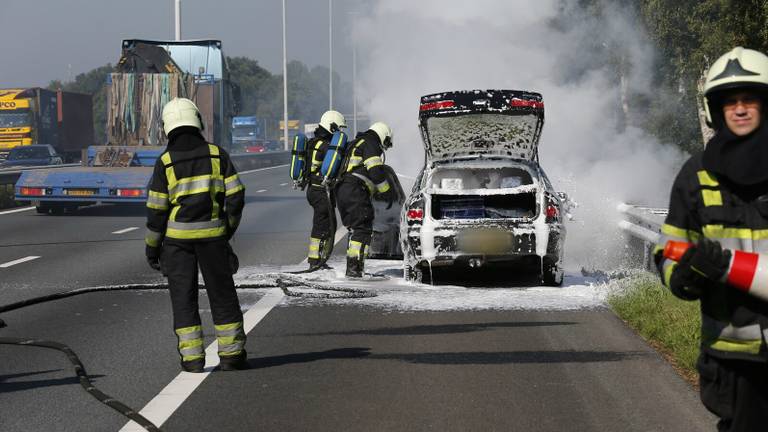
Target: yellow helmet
(740,68)
(333,121)
(181,112)
(384,132)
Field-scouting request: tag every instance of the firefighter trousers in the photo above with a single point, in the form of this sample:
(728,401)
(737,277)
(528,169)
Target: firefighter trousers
(180,262)
(323,220)
(736,391)
(357,214)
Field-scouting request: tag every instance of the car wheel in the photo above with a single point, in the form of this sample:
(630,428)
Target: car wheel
(57,210)
(551,273)
(42,209)
(416,274)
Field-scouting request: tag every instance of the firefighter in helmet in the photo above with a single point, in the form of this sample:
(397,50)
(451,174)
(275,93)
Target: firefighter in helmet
(194,206)
(363,178)
(719,203)
(324,217)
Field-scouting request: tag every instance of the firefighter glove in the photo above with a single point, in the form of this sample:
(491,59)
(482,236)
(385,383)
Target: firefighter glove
(684,282)
(710,260)
(153,257)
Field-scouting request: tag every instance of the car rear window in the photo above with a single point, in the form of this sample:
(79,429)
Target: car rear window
(484,206)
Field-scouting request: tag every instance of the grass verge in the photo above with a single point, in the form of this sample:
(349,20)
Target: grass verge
(672,326)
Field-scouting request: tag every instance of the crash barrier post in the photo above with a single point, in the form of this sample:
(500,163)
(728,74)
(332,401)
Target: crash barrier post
(643,224)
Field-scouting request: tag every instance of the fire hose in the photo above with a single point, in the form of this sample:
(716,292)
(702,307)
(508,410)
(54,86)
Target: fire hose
(286,282)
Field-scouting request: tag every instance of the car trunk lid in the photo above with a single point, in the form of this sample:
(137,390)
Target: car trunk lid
(477,123)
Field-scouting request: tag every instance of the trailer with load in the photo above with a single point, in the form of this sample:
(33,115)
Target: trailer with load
(39,116)
(148,75)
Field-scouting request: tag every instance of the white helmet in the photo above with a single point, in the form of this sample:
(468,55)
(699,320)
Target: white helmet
(740,68)
(384,132)
(181,112)
(333,121)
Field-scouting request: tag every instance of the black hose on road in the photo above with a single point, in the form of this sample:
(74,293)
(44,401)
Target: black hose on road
(286,282)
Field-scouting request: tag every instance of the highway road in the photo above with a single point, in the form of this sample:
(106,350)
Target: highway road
(413,358)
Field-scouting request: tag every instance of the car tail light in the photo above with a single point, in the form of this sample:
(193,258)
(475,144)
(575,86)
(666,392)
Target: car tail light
(130,192)
(521,103)
(415,215)
(553,214)
(431,106)
(32,191)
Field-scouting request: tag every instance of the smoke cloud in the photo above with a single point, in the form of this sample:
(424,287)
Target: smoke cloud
(589,148)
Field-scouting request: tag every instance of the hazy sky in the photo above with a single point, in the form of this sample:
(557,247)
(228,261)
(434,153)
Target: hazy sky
(57,39)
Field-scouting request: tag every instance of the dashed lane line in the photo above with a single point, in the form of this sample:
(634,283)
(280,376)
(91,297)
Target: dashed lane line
(261,190)
(162,406)
(262,169)
(18,261)
(127,230)
(283,184)
(18,210)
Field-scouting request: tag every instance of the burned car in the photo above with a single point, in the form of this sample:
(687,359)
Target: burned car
(482,199)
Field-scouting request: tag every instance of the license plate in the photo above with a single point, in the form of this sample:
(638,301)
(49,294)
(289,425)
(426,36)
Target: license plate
(485,241)
(81,192)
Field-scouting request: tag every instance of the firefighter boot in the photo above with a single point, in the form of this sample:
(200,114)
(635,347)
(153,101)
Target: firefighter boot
(354,267)
(313,262)
(235,362)
(193,366)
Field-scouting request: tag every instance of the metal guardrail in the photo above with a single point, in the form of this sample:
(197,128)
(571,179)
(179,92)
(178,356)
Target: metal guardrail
(643,224)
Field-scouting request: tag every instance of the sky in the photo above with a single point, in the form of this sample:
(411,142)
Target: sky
(57,39)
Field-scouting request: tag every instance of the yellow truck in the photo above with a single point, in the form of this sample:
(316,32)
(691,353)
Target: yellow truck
(40,116)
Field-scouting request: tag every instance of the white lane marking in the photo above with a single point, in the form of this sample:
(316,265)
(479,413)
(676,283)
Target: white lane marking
(405,176)
(16,210)
(263,169)
(340,233)
(261,190)
(283,184)
(18,261)
(123,231)
(162,406)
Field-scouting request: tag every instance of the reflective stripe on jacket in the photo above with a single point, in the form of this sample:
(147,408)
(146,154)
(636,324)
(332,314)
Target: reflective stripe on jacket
(365,161)
(734,324)
(194,194)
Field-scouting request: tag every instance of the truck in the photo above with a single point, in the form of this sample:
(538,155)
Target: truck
(148,75)
(40,116)
(246,133)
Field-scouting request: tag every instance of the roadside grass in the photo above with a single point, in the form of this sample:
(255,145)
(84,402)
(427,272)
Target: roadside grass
(6,197)
(670,325)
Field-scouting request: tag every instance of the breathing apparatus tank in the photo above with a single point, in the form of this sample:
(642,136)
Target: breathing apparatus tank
(298,158)
(334,157)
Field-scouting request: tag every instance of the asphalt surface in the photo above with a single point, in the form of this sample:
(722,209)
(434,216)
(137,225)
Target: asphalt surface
(315,365)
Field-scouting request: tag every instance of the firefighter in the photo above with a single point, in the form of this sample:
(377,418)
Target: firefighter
(719,203)
(194,207)
(321,238)
(363,178)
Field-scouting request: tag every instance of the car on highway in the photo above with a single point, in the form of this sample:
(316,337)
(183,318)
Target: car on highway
(481,199)
(32,155)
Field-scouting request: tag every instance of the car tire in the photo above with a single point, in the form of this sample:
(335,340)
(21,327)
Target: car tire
(416,274)
(551,273)
(42,209)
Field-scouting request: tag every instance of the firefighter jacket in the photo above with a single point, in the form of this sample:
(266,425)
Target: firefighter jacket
(365,162)
(194,194)
(734,324)
(316,149)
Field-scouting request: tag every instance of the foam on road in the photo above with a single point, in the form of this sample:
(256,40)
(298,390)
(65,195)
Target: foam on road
(394,293)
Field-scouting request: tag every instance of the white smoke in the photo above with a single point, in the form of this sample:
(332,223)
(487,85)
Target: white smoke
(409,49)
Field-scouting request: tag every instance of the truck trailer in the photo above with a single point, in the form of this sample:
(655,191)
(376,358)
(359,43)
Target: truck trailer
(39,116)
(148,75)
